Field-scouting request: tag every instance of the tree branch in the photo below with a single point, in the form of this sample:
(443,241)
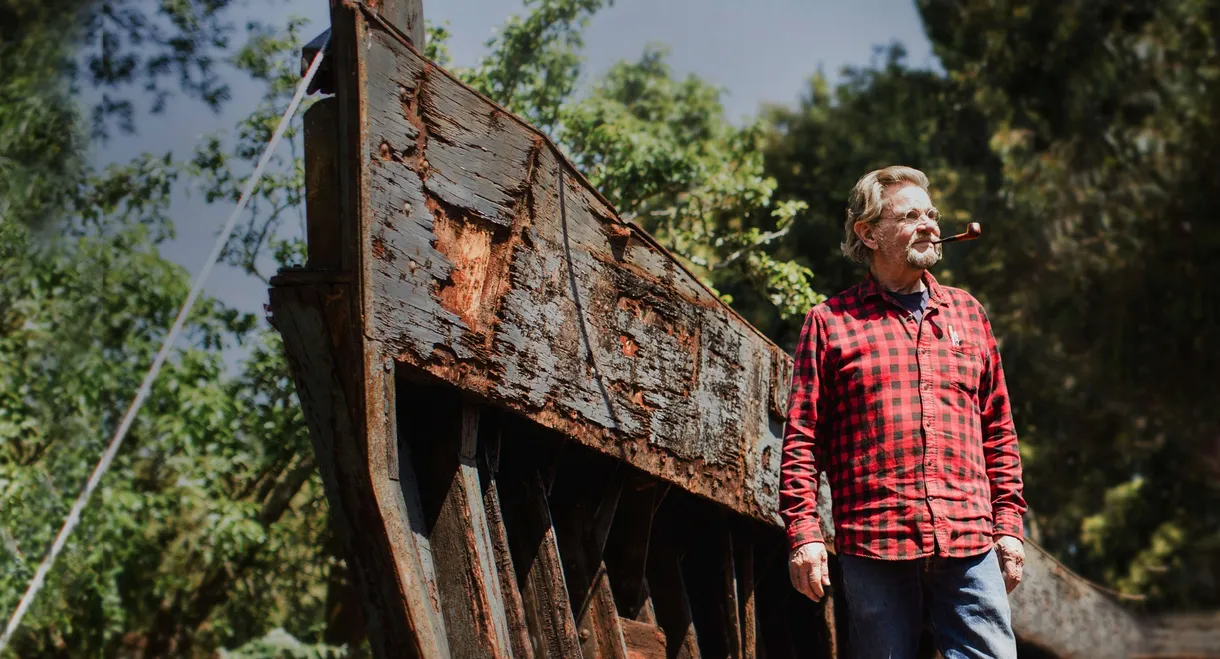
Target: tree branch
(174,626)
(767,239)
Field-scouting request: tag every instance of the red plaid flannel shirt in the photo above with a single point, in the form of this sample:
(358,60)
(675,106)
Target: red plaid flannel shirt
(912,427)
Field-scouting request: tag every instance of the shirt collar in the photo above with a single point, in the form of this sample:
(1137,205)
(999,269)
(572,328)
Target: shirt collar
(871,287)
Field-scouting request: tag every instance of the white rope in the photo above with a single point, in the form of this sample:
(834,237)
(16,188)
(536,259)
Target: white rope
(146,386)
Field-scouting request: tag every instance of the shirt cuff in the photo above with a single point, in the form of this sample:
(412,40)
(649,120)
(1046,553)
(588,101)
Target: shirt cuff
(804,533)
(1008,522)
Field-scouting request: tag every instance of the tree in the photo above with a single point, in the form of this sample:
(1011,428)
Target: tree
(127,48)
(1079,134)
(1104,116)
(210,529)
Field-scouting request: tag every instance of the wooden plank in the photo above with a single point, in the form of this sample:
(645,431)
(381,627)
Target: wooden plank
(644,640)
(775,593)
(322,204)
(346,411)
(1057,611)
(648,612)
(730,601)
(514,609)
(626,553)
(671,602)
(479,275)
(704,579)
(406,16)
(602,632)
(544,594)
(1185,635)
(749,613)
(585,498)
(444,436)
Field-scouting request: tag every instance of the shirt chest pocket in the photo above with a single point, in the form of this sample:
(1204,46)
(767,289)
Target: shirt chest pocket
(965,367)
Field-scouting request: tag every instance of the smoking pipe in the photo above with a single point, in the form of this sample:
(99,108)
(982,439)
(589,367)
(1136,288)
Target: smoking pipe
(973,230)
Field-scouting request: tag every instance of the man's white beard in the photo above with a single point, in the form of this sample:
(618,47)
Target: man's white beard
(914,259)
(923,260)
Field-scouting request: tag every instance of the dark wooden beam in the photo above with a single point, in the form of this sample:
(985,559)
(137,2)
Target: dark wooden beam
(407,17)
(584,499)
(442,433)
(671,602)
(626,551)
(531,535)
(749,607)
(514,608)
(349,407)
(323,211)
(730,600)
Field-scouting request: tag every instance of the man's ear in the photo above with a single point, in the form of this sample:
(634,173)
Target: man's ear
(867,233)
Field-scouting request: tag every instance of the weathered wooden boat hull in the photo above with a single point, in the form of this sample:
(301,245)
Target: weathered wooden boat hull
(539,434)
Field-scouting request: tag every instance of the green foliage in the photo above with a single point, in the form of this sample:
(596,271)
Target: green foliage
(128,49)
(157,50)
(534,62)
(1102,116)
(1080,135)
(279,644)
(39,138)
(210,529)
(879,115)
(274,227)
(662,152)
(217,484)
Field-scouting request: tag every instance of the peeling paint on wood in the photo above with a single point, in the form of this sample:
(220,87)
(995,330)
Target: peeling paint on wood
(485,275)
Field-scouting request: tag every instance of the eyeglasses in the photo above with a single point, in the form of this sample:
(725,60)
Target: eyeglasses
(913,216)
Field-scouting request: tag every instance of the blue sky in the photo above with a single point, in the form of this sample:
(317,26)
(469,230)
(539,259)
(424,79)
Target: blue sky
(761,51)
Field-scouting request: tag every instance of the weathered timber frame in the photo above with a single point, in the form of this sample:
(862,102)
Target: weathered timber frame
(533,424)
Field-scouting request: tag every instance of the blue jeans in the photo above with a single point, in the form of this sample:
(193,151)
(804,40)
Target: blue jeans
(964,599)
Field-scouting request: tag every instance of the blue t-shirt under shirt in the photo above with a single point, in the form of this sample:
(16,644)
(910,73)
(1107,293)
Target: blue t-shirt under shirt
(914,302)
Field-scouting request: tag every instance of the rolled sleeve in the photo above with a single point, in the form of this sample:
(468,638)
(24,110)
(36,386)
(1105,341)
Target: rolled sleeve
(798,466)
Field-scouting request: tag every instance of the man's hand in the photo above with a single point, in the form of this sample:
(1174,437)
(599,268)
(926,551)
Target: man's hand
(809,571)
(1012,560)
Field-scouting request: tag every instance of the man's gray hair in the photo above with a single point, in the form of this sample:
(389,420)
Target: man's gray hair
(867,201)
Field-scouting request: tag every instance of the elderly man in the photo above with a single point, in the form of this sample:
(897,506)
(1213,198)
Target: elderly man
(898,395)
